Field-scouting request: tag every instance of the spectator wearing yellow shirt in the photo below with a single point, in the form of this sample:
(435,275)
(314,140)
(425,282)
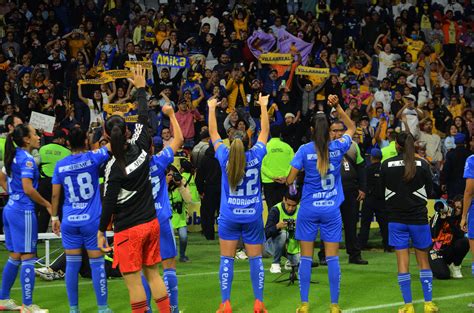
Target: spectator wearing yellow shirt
(455,106)
(236,90)
(161,34)
(358,68)
(241,21)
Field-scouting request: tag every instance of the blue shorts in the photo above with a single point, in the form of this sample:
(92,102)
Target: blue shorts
(399,236)
(21,230)
(251,233)
(470,226)
(329,223)
(167,240)
(76,237)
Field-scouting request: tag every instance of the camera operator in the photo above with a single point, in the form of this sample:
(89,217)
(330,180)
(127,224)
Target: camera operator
(179,195)
(280,232)
(450,246)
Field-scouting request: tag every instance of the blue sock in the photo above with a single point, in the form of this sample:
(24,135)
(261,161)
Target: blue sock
(171,282)
(99,280)
(426,279)
(404,280)
(10,271)
(73,265)
(147,292)
(334,276)
(226,276)
(257,275)
(304,273)
(27,276)
(472,268)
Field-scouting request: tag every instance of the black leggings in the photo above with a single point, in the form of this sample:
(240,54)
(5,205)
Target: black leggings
(453,253)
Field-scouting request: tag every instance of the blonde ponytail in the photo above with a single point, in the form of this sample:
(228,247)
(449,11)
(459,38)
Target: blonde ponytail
(236,164)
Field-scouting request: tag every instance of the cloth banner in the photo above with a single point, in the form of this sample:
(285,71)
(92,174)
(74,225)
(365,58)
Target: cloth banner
(169,60)
(287,43)
(118,108)
(312,71)
(117,74)
(96,81)
(260,42)
(276,58)
(131,119)
(145,64)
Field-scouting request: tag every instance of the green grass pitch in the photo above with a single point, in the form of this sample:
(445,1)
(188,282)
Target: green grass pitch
(361,286)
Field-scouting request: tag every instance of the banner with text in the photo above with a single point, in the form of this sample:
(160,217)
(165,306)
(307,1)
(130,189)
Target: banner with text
(117,74)
(145,64)
(169,60)
(96,81)
(118,108)
(276,58)
(312,71)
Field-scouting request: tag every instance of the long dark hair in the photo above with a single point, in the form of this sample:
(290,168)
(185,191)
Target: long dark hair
(14,138)
(321,141)
(406,142)
(116,128)
(77,139)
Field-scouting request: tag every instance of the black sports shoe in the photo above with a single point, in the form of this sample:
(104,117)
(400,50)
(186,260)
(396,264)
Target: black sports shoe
(358,261)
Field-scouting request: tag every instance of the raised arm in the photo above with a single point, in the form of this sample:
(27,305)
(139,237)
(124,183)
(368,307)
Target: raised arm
(213,132)
(333,101)
(79,94)
(264,122)
(178,138)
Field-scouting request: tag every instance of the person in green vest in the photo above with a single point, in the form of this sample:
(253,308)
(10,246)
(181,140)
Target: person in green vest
(179,195)
(276,167)
(390,150)
(50,154)
(280,232)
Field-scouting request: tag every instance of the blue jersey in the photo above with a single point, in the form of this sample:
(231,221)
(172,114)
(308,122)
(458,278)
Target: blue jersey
(469,171)
(244,204)
(321,194)
(158,165)
(23,166)
(79,175)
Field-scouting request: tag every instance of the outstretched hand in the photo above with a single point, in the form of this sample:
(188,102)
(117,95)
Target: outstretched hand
(168,110)
(138,79)
(212,103)
(263,100)
(333,100)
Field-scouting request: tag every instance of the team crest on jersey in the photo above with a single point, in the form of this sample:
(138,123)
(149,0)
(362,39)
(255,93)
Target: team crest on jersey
(342,139)
(29,164)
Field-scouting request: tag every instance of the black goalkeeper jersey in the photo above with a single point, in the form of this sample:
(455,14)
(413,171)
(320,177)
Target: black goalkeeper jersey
(129,196)
(406,201)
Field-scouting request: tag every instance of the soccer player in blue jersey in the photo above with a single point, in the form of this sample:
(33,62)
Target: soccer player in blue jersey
(321,197)
(160,178)
(467,221)
(241,204)
(408,183)
(78,176)
(19,218)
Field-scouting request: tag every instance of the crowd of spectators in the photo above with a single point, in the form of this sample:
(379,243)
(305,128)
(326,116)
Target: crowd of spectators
(395,65)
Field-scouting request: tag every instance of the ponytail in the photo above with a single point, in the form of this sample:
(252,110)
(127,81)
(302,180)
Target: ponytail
(115,127)
(321,141)
(236,164)
(14,138)
(407,144)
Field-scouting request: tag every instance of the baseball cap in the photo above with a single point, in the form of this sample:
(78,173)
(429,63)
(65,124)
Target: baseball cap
(376,153)
(289,115)
(411,97)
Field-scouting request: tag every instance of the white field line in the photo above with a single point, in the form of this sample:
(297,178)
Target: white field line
(389,305)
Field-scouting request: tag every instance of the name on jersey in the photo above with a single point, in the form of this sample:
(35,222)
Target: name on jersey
(324,194)
(252,162)
(78,218)
(153,168)
(401,163)
(250,211)
(158,206)
(136,164)
(332,154)
(77,166)
(239,201)
(79,205)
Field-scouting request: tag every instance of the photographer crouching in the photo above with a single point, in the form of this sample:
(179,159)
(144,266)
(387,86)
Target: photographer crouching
(450,245)
(280,232)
